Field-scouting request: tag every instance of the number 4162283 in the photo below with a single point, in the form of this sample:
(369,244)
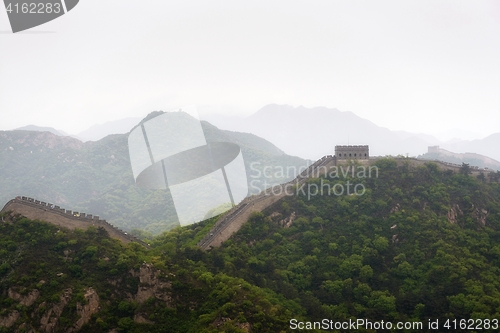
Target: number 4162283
(34,8)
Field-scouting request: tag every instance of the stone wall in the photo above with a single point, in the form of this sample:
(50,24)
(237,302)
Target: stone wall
(352,152)
(433,149)
(234,219)
(48,212)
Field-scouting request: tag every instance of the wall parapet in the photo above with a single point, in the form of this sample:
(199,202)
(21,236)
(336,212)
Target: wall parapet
(92,220)
(226,219)
(354,152)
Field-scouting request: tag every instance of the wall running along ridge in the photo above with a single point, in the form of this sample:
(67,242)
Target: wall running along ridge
(39,210)
(235,218)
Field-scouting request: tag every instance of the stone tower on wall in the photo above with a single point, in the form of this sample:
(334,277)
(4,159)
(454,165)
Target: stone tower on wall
(433,149)
(352,152)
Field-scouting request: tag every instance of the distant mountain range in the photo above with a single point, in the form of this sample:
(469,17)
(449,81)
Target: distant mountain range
(95,177)
(473,159)
(489,146)
(42,129)
(314,132)
(94,133)
(99,131)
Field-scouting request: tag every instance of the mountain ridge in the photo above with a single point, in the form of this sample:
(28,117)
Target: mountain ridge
(334,127)
(473,159)
(96,176)
(36,210)
(42,129)
(419,244)
(389,142)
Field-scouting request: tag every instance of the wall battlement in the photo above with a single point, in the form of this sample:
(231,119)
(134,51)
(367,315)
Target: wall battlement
(355,152)
(48,212)
(235,218)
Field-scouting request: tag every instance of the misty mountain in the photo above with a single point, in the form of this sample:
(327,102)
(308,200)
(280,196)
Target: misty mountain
(96,176)
(472,159)
(100,131)
(487,146)
(456,134)
(42,129)
(314,132)
(430,139)
(223,121)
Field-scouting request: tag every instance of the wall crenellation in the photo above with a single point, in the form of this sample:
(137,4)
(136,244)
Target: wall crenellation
(354,152)
(228,218)
(91,219)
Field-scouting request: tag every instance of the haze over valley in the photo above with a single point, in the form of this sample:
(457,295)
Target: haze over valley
(310,133)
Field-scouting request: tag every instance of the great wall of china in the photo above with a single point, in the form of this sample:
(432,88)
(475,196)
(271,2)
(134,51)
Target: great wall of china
(225,227)
(39,210)
(234,219)
(475,171)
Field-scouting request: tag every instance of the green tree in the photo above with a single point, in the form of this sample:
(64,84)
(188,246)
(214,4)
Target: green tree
(465,169)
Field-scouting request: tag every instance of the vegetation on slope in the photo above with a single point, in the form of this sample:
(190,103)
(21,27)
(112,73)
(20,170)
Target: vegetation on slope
(419,244)
(55,263)
(96,177)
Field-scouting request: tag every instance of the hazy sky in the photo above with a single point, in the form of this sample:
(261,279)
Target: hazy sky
(421,66)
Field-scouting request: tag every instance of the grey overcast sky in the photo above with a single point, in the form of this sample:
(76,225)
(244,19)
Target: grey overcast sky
(421,66)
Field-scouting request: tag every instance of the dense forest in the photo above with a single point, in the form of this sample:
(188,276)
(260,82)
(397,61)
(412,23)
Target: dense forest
(417,244)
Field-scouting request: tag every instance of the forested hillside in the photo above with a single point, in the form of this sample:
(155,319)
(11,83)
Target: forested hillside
(419,244)
(54,280)
(96,177)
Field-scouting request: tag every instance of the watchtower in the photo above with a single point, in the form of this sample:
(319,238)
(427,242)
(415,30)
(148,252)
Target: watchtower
(433,149)
(352,152)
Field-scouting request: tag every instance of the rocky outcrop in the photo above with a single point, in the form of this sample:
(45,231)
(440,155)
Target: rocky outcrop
(10,319)
(86,311)
(66,255)
(50,318)
(141,319)
(26,300)
(150,285)
(25,328)
(480,215)
(395,209)
(395,238)
(245,326)
(287,222)
(219,322)
(453,213)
